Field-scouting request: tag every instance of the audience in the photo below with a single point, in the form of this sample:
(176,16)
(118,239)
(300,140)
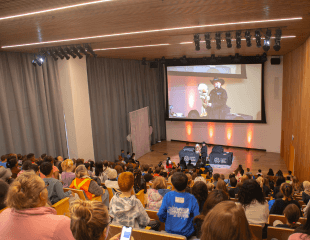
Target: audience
(297,186)
(226,221)
(179,208)
(28,216)
(221,185)
(125,208)
(12,164)
(67,174)
(252,199)
(3,161)
(112,180)
(234,189)
(5,175)
(55,169)
(216,176)
(200,191)
(156,194)
(90,188)
(270,172)
(279,181)
(25,167)
(139,183)
(54,186)
(281,203)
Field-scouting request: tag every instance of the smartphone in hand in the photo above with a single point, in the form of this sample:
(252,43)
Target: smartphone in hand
(126,233)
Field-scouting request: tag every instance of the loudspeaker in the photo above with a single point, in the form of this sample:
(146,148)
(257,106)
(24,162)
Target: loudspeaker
(153,64)
(275,61)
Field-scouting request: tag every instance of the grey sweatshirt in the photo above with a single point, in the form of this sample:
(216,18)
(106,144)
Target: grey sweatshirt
(55,190)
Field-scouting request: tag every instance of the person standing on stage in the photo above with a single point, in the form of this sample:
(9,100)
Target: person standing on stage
(204,152)
(216,107)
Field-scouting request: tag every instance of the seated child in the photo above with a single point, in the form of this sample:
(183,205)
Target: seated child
(179,208)
(54,186)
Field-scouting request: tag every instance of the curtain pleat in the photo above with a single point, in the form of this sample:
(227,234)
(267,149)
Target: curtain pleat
(32,118)
(117,87)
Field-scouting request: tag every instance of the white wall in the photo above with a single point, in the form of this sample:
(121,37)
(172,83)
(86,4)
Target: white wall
(262,136)
(75,95)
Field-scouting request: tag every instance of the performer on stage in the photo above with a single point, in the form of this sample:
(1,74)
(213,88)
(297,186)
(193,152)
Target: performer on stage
(216,107)
(204,153)
(203,93)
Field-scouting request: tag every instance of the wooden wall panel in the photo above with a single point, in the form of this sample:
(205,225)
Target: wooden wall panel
(296,109)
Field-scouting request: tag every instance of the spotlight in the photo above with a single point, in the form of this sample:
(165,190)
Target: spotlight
(266,46)
(40,60)
(183,60)
(82,50)
(89,49)
(247,36)
(237,58)
(58,54)
(34,62)
(218,40)
(143,61)
(258,38)
(70,52)
(277,40)
(264,57)
(228,40)
(76,52)
(213,59)
(208,41)
(197,42)
(64,53)
(238,39)
(52,54)
(163,60)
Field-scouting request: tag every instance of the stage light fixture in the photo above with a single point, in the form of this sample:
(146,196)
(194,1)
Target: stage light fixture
(70,52)
(51,53)
(277,40)
(266,46)
(59,54)
(40,60)
(248,36)
(183,60)
(197,42)
(258,38)
(175,59)
(218,40)
(64,53)
(208,41)
(228,40)
(34,62)
(204,58)
(238,39)
(89,49)
(83,50)
(76,52)
(213,59)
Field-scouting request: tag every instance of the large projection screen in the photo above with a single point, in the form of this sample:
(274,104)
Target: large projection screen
(216,93)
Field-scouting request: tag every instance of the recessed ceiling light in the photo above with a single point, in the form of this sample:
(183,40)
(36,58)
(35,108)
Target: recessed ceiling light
(53,9)
(151,31)
(141,46)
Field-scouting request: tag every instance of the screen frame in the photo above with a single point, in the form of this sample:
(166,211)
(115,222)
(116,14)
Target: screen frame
(217,61)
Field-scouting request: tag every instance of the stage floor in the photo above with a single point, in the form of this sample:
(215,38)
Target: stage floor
(265,161)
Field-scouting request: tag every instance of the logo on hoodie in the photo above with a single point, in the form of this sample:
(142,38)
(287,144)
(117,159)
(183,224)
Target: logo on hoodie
(179,212)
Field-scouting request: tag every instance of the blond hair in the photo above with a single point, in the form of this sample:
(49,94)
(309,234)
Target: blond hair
(81,171)
(159,183)
(260,181)
(88,219)
(67,165)
(25,191)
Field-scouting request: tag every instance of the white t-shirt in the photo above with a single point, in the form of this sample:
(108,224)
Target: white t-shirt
(257,213)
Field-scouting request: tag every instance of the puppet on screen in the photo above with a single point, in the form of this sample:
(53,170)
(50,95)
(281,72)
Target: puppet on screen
(203,93)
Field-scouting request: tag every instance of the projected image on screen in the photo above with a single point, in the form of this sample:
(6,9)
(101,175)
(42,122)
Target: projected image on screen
(215,92)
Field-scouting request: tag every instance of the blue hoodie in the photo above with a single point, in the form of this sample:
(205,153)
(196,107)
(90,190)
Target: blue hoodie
(177,211)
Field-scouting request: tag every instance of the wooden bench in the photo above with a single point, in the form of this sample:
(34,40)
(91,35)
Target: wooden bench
(282,218)
(234,199)
(62,207)
(142,234)
(279,233)
(257,231)
(301,202)
(153,215)
(110,193)
(140,196)
(81,195)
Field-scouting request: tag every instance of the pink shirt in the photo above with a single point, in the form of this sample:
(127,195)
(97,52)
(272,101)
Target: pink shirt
(298,236)
(34,224)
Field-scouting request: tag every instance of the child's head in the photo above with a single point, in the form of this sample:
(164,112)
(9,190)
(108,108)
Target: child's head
(286,189)
(292,213)
(122,151)
(46,168)
(233,182)
(248,169)
(216,176)
(179,181)
(126,181)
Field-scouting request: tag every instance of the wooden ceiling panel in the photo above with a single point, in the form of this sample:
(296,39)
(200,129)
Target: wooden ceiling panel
(119,16)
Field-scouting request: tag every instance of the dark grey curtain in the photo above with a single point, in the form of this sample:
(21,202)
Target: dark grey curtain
(117,87)
(32,118)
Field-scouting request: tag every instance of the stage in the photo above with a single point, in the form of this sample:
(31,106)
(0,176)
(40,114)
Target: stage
(265,161)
